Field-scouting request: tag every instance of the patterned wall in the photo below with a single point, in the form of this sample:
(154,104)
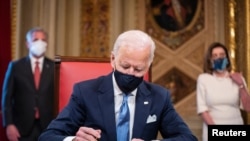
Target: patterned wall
(95,28)
(172,24)
(180,50)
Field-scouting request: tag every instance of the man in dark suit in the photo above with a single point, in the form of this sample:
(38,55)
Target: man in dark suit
(121,105)
(27,105)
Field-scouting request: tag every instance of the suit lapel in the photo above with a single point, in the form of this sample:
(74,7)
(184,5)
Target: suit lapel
(29,72)
(45,73)
(143,104)
(106,100)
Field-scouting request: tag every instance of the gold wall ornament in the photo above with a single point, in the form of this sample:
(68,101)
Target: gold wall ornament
(231,25)
(238,38)
(237,34)
(13,27)
(95,23)
(174,25)
(248,41)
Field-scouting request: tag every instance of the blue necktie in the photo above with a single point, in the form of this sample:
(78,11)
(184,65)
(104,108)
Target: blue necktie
(122,128)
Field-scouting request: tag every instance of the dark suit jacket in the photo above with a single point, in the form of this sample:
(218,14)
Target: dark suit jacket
(20,96)
(92,105)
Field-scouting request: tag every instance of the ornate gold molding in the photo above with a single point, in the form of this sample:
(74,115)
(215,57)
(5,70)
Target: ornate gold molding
(13,27)
(231,39)
(247,74)
(248,41)
(238,37)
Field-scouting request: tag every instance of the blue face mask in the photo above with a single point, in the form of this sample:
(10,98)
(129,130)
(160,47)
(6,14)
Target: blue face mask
(220,64)
(127,83)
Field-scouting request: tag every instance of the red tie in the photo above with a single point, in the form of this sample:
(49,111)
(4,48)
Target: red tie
(37,74)
(37,80)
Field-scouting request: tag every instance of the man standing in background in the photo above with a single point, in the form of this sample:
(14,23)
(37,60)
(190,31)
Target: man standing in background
(28,91)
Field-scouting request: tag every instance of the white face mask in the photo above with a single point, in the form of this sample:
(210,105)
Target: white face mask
(38,47)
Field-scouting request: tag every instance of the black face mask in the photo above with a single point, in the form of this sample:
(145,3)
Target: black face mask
(127,83)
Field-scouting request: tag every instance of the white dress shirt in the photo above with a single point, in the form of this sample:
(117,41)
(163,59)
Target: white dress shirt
(131,104)
(33,63)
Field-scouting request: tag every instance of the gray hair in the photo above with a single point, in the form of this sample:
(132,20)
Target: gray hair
(35,29)
(135,38)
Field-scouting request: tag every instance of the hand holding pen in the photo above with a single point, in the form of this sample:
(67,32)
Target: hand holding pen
(87,134)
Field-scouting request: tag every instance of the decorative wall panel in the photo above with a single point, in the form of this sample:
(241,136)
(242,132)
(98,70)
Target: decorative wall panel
(179,84)
(95,24)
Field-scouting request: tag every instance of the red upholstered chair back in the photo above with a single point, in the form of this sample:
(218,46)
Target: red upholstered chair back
(69,70)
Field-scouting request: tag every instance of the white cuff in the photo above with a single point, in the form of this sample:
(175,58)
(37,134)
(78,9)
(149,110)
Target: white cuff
(69,138)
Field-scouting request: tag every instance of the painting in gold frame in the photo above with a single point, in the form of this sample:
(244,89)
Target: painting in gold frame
(166,22)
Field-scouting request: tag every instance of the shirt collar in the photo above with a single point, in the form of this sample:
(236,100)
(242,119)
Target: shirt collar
(33,59)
